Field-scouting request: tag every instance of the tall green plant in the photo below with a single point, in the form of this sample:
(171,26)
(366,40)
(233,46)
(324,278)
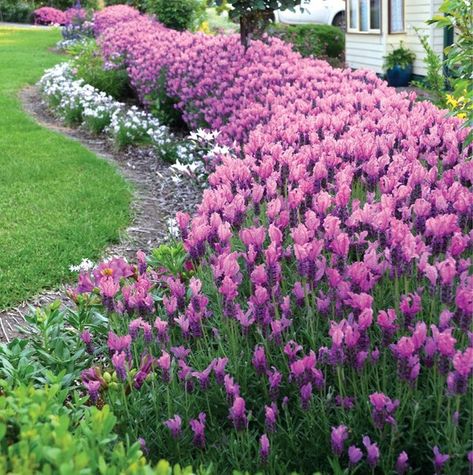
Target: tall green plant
(458,16)
(435,82)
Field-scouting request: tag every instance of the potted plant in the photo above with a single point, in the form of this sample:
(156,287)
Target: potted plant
(398,64)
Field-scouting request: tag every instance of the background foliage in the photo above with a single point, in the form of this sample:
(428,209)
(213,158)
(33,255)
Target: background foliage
(320,41)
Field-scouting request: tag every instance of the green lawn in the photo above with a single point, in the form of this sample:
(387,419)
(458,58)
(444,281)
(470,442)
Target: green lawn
(59,203)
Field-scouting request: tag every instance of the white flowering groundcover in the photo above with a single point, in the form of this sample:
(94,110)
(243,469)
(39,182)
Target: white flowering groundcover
(79,103)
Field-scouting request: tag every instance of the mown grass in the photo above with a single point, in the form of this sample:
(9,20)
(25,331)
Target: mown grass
(59,203)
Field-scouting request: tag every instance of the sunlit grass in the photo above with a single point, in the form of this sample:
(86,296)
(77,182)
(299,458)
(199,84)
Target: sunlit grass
(58,202)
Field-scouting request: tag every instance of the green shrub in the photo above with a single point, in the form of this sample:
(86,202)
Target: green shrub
(17,12)
(178,14)
(321,41)
(139,4)
(42,431)
(89,66)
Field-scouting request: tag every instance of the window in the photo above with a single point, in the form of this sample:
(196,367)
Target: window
(364,16)
(396,16)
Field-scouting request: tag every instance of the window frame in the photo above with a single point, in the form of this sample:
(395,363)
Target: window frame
(390,31)
(370,31)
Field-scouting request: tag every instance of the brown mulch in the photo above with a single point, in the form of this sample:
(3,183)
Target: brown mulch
(156,198)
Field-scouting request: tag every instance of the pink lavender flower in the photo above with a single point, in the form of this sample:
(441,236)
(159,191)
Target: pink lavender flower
(198,428)
(139,324)
(338,437)
(457,381)
(270,415)
(264,448)
(164,364)
(117,344)
(93,382)
(383,409)
(231,387)
(175,426)
(162,329)
(144,370)
(238,413)
(259,360)
(142,263)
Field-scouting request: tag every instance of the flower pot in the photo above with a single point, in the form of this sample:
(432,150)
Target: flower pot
(399,77)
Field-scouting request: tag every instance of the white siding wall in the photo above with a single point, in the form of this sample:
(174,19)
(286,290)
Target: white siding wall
(417,13)
(367,51)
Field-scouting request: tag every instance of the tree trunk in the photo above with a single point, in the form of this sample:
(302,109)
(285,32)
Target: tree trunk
(253,24)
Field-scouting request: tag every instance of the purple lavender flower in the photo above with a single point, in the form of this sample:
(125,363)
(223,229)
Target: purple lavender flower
(118,361)
(139,324)
(175,426)
(274,378)
(264,448)
(439,460)
(354,454)
(337,438)
(86,337)
(143,446)
(270,415)
(219,369)
(203,377)
(306,395)
(198,428)
(93,388)
(180,352)
(402,463)
(372,451)
(93,382)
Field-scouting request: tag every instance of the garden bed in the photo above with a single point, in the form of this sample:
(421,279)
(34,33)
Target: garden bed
(316,311)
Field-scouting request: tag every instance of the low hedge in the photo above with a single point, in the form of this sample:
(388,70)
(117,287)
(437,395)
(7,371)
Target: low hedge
(16,12)
(320,41)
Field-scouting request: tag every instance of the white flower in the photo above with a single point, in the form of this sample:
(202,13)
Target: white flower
(85,265)
(173,228)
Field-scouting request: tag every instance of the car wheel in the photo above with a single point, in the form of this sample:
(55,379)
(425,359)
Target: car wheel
(340,21)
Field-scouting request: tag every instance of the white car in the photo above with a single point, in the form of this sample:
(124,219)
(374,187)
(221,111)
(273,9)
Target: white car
(328,12)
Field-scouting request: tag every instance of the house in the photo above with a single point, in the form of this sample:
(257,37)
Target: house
(375,27)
